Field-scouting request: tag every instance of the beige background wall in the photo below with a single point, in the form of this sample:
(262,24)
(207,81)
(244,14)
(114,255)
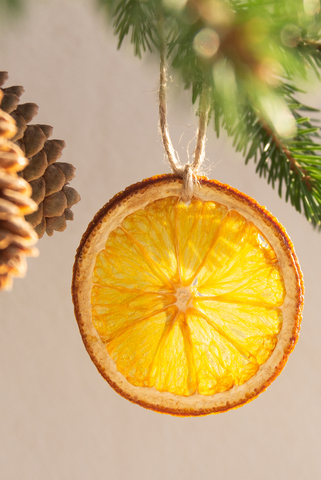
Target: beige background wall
(59,418)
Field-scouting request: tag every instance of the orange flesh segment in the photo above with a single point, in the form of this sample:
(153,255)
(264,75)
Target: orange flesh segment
(187,298)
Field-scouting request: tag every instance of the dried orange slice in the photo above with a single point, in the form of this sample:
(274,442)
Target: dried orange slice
(187,309)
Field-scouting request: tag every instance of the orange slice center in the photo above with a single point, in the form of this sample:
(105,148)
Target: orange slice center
(183,298)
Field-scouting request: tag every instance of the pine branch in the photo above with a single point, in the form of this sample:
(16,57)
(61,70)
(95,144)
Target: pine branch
(293,164)
(248,45)
(240,50)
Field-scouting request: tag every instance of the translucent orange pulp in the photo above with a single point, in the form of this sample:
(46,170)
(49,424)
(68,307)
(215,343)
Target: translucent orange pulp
(187,298)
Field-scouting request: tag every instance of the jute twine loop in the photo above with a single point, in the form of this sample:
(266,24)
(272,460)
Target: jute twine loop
(189,171)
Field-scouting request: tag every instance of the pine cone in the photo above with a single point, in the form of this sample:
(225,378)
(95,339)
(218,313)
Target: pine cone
(17,237)
(48,178)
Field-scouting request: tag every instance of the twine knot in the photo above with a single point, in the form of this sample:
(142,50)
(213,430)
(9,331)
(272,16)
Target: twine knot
(189,175)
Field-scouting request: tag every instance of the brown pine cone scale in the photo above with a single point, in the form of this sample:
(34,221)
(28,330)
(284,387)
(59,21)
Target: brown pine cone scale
(7,126)
(38,190)
(7,209)
(27,111)
(10,102)
(69,214)
(36,168)
(35,218)
(54,205)
(53,149)
(55,223)
(12,158)
(19,199)
(67,169)
(17,90)
(54,179)
(72,196)
(15,183)
(40,229)
(32,141)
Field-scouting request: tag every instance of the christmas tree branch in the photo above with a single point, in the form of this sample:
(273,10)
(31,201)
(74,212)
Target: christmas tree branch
(282,147)
(292,163)
(240,51)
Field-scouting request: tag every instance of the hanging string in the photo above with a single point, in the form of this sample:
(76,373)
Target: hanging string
(189,171)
